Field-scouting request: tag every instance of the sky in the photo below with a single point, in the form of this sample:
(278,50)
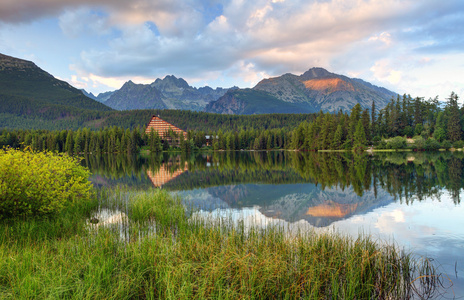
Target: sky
(408,46)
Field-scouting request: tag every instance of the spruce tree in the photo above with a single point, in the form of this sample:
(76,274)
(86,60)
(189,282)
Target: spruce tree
(366,123)
(78,142)
(359,137)
(454,119)
(337,141)
(69,142)
(355,115)
(373,121)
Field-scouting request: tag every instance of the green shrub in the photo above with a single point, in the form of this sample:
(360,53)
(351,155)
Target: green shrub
(432,144)
(439,134)
(376,139)
(446,144)
(36,183)
(382,145)
(419,143)
(458,144)
(418,129)
(398,142)
(408,131)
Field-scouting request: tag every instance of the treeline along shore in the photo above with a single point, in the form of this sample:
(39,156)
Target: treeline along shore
(404,123)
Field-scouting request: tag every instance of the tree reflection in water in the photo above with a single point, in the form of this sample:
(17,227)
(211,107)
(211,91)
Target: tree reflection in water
(319,187)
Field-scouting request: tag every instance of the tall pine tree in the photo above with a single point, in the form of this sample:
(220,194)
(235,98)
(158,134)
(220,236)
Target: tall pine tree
(454,119)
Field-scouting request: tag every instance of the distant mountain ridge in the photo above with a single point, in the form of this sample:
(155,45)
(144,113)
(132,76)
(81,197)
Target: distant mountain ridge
(22,78)
(25,82)
(315,90)
(27,90)
(168,93)
(30,97)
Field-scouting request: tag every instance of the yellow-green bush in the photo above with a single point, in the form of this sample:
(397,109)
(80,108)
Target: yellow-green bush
(35,183)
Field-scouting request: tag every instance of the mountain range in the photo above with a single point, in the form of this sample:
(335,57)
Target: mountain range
(315,90)
(30,95)
(168,93)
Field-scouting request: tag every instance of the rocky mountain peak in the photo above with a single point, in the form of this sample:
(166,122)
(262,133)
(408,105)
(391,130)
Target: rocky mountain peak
(169,82)
(130,85)
(316,73)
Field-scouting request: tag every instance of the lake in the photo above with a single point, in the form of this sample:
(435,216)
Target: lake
(412,199)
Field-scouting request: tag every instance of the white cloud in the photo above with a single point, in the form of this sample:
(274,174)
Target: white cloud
(384,37)
(384,72)
(247,72)
(77,83)
(83,21)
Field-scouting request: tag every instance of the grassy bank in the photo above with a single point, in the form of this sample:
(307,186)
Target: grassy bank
(160,252)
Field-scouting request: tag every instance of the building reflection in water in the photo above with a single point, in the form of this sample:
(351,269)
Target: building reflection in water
(166,173)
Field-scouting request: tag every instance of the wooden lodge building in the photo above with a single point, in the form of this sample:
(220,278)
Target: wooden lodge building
(163,129)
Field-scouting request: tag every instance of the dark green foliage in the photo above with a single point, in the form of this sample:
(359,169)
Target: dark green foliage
(432,144)
(359,137)
(454,126)
(154,142)
(65,118)
(446,144)
(337,142)
(458,144)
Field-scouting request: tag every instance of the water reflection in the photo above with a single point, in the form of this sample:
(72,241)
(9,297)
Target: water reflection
(165,174)
(410,197)
(319,187)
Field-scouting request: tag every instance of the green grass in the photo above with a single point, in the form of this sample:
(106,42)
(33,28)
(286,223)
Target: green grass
(165,253)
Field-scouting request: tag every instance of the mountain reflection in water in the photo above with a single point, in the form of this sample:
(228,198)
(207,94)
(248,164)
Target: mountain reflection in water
(320,188)
(410,197)
(332,209)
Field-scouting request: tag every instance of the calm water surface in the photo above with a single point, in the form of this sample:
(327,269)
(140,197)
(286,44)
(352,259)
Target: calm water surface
(412,199)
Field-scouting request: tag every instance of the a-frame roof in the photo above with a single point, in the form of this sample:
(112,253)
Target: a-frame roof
(162,127)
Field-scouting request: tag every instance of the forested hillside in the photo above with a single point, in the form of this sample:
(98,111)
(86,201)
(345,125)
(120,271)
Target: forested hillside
(54,119)
(24,80)
(32,98)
